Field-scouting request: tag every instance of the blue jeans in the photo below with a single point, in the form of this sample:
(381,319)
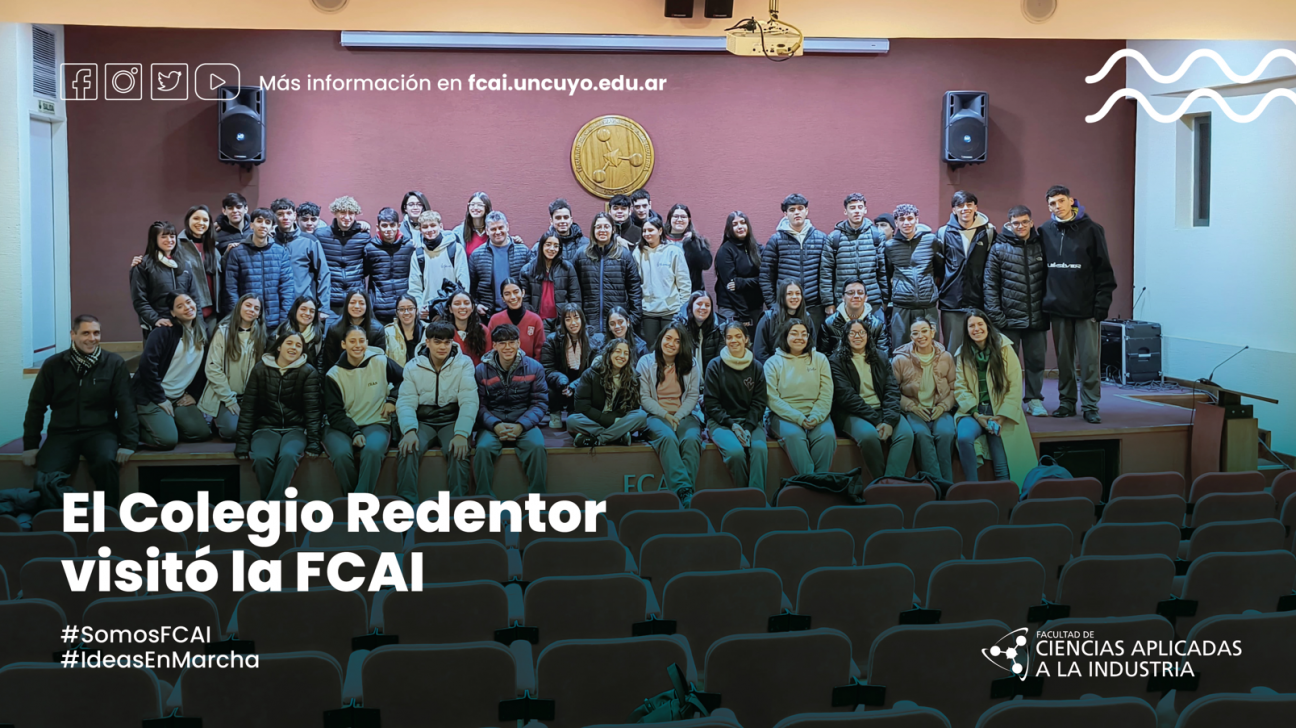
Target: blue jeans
(809,451)
(529,448)
(747,465)
(679,450)
(968,432)
(897,460)
(934,442)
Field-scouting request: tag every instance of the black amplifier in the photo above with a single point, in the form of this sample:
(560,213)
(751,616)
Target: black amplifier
(1131,351)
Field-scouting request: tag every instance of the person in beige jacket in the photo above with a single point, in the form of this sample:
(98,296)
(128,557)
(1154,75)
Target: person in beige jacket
(798,383)
(991,424)
(926,375)
(230,359)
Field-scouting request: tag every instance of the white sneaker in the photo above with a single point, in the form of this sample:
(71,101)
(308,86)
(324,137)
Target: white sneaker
(555,421)
(1036,408)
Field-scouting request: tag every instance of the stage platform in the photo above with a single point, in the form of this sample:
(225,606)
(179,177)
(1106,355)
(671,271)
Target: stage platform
(1153,436)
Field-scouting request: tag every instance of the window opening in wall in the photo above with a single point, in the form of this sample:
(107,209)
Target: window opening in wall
(1201,129)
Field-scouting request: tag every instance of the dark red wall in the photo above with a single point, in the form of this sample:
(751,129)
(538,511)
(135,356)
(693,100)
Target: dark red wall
(730,133)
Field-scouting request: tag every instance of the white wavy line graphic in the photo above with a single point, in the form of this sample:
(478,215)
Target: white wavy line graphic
(1192,58)
(1187,102)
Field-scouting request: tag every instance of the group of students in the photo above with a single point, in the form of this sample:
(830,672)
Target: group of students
(299,338)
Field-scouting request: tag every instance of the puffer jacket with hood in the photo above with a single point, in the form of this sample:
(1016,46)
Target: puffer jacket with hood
(1080,278)
(152,282)
(847,401)
(387,266)
(609,277)
(354,395)
(911,268)
(481,272)
(279,398)
(908,371)
(435,262)
(518,396)
(572,242)
(785,257)
(852,253)
(265,272)
(1014,283)
(345,252)
(311,273)
(566,287)
(431,396)
(964,273)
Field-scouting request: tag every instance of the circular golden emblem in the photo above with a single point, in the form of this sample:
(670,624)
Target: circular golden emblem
(612,155)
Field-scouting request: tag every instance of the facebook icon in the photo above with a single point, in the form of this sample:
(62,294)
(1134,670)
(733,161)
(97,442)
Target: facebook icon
(80,82)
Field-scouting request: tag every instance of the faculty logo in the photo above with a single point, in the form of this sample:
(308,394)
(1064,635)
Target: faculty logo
(1010,653)
(612,155)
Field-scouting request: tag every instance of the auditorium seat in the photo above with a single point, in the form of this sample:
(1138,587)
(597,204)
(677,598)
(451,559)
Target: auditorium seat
(862,521)
(9,524)
(1225,709)
(716,502)
(921,549)
(526,534)
(791,554)
(453,561)
(906,495)
(1086,487)
(341,509)
(1115,586)
(1047,543)
(969,518)
(369,555)
(1076,514)
(909,659)
(576,557)
(1142,629)
(1231,583)
(749,524)
(601,681)
(1267,642)
(911,717)
(1147,484)
(189,610)
(242,539)
(222,592)
(1232,507)
(4,585)
(288,690)
(1249,481)
(586,607)
(337,535)
(467,611)
(619,504)
(1000,589)
(763,678)
(133,545)
(51,696)
(1132,539)
(1003,493)
(30,631)
(1262,534)
(708,606)
(452,685)
(290,621)
(1145,509)
(1288,520)
(1123,712)
(663,557)
(17,549)
(578,499)
(141,512)
(719,718)
(1283,486)
(636,527)
(860,601)
(813,502)
(52,520)
(44,578)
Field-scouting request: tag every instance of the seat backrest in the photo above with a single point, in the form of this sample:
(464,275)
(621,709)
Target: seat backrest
(340,508)
(1000,589)
(1232,507)
(218,540)
(921,549)
(222,594)
(1283,486)
(44,578)
(17,549)
(320,620)
(1262,534)
(450,561)
(1250,481)
(969,518)
(1232,583)
(471,679)
(1076,514)
(527,534)
(30,631)
(1047,543)
(289,689)
(791,554)
(194,617)
(337,535)
(619,504)
(601,681)
(663,557)
(639,526)
(468,611)
(906,495)
(51,695)
(749,524)
(709,605)
(813,502)
(1124,712)
(574,557)
(133,545)
(1003,493)
(1267,643)
(739,668)
(1288,519)
(9,524)
(368,555)
(716,502)
(1086,487)
(915,717)
(860,601)
(1132,539)
(1146,509)
(452,533)
(577,499)
(903,658)
(1115,586)
(1209,711)
(52,520)
(1094,675)
(585,607)
(1146,484)
(862,521)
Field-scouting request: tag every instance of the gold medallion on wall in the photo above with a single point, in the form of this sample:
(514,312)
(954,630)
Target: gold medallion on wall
(612,155)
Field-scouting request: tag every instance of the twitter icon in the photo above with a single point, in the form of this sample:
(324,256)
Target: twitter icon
(170,82)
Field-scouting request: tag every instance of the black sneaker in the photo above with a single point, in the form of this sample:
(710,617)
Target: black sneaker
(1064,412)
(1091,416)
(583,440)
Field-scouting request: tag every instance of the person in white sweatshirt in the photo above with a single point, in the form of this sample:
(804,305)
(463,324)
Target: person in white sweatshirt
(441,257)
(437,404)
(359,399)
(665,274)
(798,382)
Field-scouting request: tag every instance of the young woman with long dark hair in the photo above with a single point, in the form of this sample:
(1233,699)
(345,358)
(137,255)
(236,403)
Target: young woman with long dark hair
(472,231)
(159,275)
(697,249)
(799,384)
(471,334)
(791,305)
(531,328)
(925,372)
(235,349)
(866,399)
(303,318)
(698,316)
(608,275)
(549,281)
(170,379)
(670,386)
(606,402)
(357,311)
(618,326)
(404,336)
(735,404)
(665,277)
(988,387)
(413,204)
(280,419)
(565,357)
(737,266)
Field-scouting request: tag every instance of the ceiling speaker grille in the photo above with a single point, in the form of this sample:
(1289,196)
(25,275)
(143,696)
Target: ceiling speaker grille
(329,6)
(1038,11)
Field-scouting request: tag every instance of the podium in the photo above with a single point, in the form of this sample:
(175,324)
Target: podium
(1226,434)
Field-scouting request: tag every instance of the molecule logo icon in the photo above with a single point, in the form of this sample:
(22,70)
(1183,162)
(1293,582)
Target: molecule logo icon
(1010,653)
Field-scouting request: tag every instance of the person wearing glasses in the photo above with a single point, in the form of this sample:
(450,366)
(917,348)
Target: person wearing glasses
(1014,299)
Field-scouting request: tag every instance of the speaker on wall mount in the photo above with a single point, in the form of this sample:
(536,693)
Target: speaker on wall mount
(679,8)
(240,125)
(966,127)
(718,9)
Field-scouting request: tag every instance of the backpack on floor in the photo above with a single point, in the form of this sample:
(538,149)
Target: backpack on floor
(681,702)
(1047,468)
(848,484)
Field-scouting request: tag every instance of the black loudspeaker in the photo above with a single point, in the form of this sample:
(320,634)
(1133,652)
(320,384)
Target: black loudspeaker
(240,124)
(967,127)
(1130,351)
(679,8)
(718,9)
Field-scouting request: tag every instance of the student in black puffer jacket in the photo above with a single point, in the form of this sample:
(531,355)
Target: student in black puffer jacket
(795,250)
(344,244)
(608,277)
(562,226)
(549,281)
(387,265)
(280,415)
(1014,299)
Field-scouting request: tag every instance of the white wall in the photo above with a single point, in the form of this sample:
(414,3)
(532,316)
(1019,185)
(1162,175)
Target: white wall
(1216,289)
